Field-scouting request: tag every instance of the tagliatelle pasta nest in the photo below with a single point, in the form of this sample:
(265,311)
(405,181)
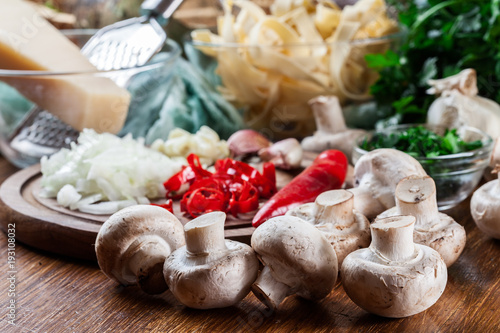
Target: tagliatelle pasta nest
(274,63)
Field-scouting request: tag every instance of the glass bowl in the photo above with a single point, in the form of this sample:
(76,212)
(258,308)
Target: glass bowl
(272,84)
(455,175)
(145,83)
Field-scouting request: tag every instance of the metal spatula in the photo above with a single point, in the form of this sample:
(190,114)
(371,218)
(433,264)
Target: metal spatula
(125,44)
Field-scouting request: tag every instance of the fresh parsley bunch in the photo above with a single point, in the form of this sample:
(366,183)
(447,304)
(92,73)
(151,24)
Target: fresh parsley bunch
(442,38)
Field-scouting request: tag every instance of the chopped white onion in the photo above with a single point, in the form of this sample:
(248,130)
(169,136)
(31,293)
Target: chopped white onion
(68,195)
(108,172)
(106,207)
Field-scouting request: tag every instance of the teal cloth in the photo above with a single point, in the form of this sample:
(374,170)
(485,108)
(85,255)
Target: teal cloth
(185,99)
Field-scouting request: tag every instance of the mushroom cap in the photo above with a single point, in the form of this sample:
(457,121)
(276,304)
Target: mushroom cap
(128,230)
(394,289)
(485,208)
(378,172)
(298,255)
(220,279)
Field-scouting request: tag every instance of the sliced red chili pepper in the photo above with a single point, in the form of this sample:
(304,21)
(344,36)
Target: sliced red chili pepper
(173,185)
(194,170)
(204,200)
(266,183)
(243,200)
(235,187)
(195,164)
(168,205)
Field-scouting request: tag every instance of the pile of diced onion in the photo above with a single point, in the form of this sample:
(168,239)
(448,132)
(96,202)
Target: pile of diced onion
(104,173)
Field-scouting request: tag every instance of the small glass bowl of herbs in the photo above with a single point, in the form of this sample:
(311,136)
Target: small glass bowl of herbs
(454,158)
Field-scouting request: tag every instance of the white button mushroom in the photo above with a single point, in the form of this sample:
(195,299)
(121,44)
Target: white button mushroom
(210,271)
(485,207)
(394,277)
(132,245)
(297,258)
(333,214)
(416,196)
(376,175)
(331,130)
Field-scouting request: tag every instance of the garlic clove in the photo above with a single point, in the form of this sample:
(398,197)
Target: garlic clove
(247,141)
(285,154)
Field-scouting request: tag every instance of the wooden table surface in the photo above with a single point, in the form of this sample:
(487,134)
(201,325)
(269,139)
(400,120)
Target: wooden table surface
(56,294)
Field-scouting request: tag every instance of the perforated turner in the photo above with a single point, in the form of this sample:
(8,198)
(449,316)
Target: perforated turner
(125,44)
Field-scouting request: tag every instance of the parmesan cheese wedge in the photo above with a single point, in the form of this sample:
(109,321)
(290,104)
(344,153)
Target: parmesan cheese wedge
(29,42)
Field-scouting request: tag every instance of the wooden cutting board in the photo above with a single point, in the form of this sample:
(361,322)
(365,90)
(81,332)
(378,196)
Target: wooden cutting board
(42,223)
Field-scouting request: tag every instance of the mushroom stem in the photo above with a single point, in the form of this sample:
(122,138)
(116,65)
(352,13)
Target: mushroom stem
(205,234)
(365,202)
(328,114)
(270,291)
(392,238)
(336,207)
(416,196)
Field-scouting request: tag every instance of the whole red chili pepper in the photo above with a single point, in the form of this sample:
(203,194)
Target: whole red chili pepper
(327,172)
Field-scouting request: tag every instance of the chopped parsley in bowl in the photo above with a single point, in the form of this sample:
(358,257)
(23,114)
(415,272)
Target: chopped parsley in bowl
(454,158)
(420,141)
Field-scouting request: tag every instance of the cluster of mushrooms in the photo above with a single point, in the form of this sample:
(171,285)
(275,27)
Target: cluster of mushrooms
(395,266)
(384,237)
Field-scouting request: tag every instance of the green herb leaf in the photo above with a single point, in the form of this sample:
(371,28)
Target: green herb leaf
(450,142)
(444,37)
(419,141)
(379,61)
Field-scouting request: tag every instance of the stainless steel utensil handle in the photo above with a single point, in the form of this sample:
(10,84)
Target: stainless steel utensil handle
(163,8)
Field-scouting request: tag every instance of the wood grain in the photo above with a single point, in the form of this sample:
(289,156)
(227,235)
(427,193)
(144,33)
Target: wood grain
(60,294)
